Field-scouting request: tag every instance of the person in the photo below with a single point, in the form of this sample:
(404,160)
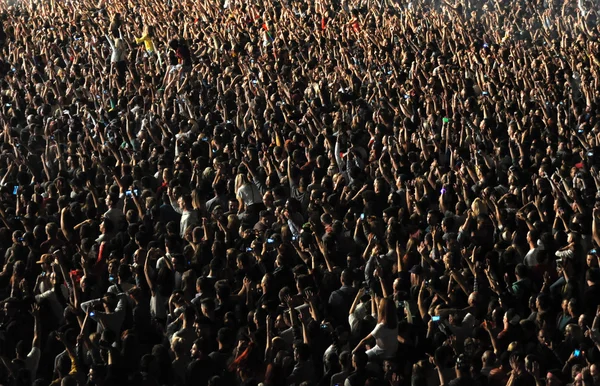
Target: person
(118,58)
(202,367)
(189,217)
(385,332)
(147,39)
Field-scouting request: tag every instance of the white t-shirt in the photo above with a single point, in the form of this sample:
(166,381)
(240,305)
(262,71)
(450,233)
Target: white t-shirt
(249,194)
(386,340)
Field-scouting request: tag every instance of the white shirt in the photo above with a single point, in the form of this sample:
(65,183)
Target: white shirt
(386,340)
(249,194)
(531,258)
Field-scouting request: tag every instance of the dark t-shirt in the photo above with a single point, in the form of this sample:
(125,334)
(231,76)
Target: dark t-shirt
(463,381)
(200,371)
(524,379)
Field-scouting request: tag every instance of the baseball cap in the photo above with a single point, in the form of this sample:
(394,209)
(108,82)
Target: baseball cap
(46,258)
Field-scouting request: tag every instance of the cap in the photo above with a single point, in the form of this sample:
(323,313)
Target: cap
(416,269)
(512,316)
(46,258)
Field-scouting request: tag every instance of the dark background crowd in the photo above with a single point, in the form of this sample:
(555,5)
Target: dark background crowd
(321,193)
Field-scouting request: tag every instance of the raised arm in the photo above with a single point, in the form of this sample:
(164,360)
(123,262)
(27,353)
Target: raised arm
(35,311)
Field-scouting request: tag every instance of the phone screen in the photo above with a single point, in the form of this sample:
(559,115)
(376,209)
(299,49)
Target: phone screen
(15,190)
(435,318)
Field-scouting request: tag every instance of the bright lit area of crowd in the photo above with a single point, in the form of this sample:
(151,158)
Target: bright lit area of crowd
(299,193)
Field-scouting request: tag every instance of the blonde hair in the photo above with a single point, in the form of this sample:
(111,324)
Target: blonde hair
(177,345)
(240,180)
(479,208)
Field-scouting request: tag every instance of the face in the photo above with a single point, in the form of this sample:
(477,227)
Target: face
(194,351)
(268,199)
(377,186)
(591,261)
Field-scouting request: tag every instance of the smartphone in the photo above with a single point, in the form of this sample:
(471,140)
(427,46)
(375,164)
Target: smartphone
(43,273)
(406,96)
(15,190)
(17,218)
(435,318)
(590,154)
(485,93)
(294,238)
(580,131)
(593,252)
(576,353)
(136,192)
(92,313)
(445,119)
(443,190)
(362,216)
(485,45)
(205,139)
(248,249)
(128,193)
(323,326)
(8,105)
(270,241)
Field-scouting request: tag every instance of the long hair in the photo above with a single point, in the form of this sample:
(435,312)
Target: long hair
(240,180)
(387,313)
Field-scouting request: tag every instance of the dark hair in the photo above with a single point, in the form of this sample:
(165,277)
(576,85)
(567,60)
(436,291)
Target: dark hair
(303,351)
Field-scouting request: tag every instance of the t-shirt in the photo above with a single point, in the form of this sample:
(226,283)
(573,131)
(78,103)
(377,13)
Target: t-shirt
(386,339)
(524,379)
(249,194)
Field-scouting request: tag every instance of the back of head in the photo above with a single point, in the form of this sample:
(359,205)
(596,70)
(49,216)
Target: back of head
(360,360)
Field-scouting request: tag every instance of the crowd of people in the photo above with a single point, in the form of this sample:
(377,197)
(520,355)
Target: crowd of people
(307,193)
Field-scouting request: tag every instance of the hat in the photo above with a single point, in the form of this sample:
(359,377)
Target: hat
(46,258)
(416,269)
(512,316)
